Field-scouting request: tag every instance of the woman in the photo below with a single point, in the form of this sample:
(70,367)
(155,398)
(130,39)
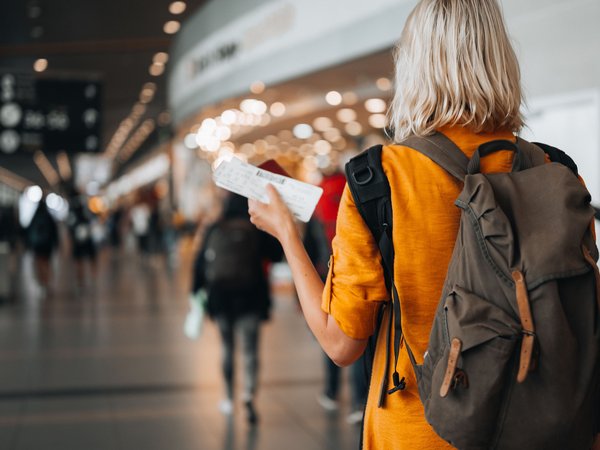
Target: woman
(42,236)
(231,268)
(456,73)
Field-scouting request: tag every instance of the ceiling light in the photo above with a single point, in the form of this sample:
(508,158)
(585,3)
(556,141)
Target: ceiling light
(171,27)
(375,105)
(209,124)
(350,98)
(346,115)
(334,98)
(285,135)
(252,106)
(260,146)
(259,107)
(247,149)
(339,144)
(277,109)
(310,163)
(150,86)
(34,194)
(138,109)
(40,65)
(213,144)
(322,147)
(177,7)
(323,161)
(353,128)
(378,120)
(246,105)
(164,118)
(257,87)
(160,58)
(223,133)
(265,120)
(383,84)
(146,95)
(190,141)
(228,117)
(156,69)
(303,131)
(332,134)
(322,123)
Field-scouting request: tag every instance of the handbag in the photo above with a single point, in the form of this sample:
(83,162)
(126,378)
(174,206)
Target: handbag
(194,320)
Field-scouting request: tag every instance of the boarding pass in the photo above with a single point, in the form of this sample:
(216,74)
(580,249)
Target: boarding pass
(250,181)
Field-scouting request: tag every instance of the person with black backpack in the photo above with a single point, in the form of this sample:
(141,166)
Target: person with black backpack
(232,267)
(83,246)
(465,252)
(42,239)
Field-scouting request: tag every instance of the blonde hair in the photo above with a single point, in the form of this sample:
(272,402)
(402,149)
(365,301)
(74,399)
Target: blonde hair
(455,66)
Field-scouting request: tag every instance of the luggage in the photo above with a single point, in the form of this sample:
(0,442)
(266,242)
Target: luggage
(513,355)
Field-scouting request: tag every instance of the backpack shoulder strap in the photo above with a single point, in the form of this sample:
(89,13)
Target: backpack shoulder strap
(370,189)
(371,193)
(557,155)
(442,151)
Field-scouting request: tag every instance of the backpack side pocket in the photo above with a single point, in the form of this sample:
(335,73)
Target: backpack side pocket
(469,379)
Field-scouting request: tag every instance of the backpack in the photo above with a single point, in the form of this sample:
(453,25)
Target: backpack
(40,233)
(513,355)
(231,255)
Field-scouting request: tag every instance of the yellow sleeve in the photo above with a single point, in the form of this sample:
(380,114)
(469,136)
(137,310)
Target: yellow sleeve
(355,285)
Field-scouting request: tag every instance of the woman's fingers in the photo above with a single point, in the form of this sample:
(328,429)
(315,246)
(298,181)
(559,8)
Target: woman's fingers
(270,217)
(274,196)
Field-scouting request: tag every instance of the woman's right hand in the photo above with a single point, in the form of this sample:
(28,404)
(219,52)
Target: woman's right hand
(274,218)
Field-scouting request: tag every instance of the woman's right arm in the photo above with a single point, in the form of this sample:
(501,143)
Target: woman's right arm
(275,219)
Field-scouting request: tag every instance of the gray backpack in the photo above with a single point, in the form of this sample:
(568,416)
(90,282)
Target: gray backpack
(513,356)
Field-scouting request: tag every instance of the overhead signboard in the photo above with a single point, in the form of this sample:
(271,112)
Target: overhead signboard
(48,115)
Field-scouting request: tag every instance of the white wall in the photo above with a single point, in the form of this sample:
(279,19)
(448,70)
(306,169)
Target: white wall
(558,45)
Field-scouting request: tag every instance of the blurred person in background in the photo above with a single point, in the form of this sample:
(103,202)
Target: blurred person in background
(42,238)
(9,239)
(80,221)
(232,266)
(114,227)
(140,225)
(319,234)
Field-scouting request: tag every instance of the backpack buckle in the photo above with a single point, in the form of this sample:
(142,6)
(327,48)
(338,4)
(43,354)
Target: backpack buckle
(358,173)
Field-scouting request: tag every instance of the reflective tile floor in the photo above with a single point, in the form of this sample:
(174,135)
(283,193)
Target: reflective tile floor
(106,366)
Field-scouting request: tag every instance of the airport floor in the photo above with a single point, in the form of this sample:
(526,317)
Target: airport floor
(106,366)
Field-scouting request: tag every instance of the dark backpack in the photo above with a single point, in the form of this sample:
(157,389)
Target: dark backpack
(513,355)
(40,233)
(231,255)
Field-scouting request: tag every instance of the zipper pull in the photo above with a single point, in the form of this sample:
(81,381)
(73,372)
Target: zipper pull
(399,384)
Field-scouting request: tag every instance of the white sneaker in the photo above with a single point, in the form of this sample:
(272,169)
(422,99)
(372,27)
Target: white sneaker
(327,402)
(226,407)
(355,417)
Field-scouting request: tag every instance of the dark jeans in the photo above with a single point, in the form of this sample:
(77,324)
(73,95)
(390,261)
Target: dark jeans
(358,381)
(248,326)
